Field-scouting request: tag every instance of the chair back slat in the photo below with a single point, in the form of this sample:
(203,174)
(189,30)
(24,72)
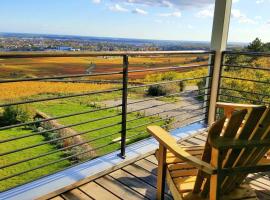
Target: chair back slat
(251,121)
(232,127)
(215,129)
(250,156)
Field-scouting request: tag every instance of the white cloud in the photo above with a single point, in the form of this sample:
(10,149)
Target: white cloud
(259,1)
(242,18)
(171,3)
(168,4)
(206,12)
(158,21)
(173,14)
(258,17)
(268,22)
(235,14)
(96,1)
(118,8)
(139,11)
(235,1)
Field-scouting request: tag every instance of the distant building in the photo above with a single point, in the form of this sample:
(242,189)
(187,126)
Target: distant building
(64,48)
(67,48)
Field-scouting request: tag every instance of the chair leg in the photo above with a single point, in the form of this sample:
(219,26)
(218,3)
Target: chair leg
(214,187)
(161,172)
(216,179)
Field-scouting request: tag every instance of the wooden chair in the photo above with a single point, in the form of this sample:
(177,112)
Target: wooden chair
(236,146)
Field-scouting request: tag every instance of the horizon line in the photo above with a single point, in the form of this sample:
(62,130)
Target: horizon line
(110,37)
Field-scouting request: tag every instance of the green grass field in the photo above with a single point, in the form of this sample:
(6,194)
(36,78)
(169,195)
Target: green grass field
(67,107)
(58,108)
(21,155)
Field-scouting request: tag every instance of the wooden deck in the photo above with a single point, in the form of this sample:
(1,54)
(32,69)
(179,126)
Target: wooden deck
(138,181)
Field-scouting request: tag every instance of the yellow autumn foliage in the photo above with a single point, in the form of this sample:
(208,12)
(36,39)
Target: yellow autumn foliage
(10,91)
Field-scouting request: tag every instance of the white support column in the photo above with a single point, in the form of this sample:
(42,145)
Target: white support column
(219,38)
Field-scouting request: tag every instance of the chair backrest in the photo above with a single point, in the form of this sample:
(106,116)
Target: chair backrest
(244,124)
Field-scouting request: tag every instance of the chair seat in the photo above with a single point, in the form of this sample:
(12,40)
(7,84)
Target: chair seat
(182,176)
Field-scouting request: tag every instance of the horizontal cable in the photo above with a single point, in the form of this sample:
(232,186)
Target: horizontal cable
(81,133)
(135,127)
(169,68)
(263,54)
(144,132)
(54,162)
(57,150)
(54,140)
(246,67)
(57,77)
(164,111)
(193,122)
(247,99)
(170,95)
(166,103)
(184,119)
(243,79)
(71,125)
(41,54)
(59,117)
(136,135)
(61,97)
(59,128)
(167,82)
(256,93)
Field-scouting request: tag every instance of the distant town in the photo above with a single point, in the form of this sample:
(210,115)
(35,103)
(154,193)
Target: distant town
(43,42)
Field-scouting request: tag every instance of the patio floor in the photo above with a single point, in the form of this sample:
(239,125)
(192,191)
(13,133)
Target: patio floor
(138,181)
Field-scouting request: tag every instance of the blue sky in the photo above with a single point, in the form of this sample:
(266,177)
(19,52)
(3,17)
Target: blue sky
(149,19)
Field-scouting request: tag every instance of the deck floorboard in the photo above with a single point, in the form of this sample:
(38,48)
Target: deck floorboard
(138,181)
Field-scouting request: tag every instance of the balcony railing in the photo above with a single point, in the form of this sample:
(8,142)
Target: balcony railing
(242,82)
(75,125)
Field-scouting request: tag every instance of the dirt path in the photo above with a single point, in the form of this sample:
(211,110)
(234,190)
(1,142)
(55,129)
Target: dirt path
(71,141)
(181,110)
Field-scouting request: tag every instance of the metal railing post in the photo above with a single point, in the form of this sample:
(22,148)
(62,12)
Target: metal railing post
(124,106)
(208,87)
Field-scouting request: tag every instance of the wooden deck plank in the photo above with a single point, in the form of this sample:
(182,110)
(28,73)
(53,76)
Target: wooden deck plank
(147,165)
(138,180)
(196,141)
(57,198)
(185,143)
(141,174)
(75,194)
(152,159)
(97,192)
(119,189)
(144,175)
(201,137)
(135,183)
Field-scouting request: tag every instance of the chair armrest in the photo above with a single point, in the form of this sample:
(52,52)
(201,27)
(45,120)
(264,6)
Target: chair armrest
(166,140)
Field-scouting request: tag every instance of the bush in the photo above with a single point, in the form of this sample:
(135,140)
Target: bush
(182,86)
(169,76)
(201,84)
(18,113)
(161,90)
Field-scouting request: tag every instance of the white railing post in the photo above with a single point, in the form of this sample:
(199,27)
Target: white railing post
(219,38)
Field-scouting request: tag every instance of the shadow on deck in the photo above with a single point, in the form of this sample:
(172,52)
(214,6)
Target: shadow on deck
(137,180)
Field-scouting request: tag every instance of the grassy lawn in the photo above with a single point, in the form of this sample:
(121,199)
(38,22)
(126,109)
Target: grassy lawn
(17,144)
(67,107)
